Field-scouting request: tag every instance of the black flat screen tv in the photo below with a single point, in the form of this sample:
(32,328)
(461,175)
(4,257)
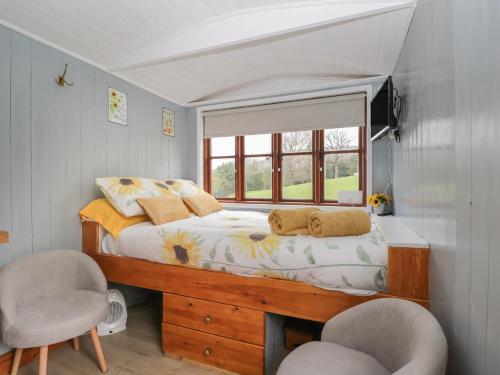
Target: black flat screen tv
(382,112)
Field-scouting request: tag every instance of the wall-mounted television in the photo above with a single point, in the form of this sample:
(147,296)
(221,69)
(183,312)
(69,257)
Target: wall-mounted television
(382,111)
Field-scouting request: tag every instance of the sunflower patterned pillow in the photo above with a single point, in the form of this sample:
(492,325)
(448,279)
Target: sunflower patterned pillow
(184,187)
(122,192)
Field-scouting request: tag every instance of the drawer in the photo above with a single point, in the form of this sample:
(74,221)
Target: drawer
(232,355)
(234,322)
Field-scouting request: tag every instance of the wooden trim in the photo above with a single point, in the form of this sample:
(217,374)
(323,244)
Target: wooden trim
(91,242)
(408,272)
(29,355)
(206,164)
(318,168)
(239,172)
(4,237)
(277,296)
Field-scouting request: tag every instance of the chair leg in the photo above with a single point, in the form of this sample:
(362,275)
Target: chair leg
(76,343)
(42,364)
(98,350)
(16,362)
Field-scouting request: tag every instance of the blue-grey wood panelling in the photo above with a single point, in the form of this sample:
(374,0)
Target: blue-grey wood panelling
(55,141)
(40,147)
(425,189)
(381,165)
(5,177)
(446,182)
(20,126)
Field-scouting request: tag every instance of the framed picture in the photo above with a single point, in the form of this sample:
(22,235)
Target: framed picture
(168,117)
(117,106)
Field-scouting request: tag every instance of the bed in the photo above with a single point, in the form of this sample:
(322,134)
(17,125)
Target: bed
(241,243)
(231,277)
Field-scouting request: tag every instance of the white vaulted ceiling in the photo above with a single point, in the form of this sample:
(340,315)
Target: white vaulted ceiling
(191,51)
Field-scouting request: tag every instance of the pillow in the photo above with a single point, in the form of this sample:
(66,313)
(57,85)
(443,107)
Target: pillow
(164,209)
(197,199)
(202,203)
(114,222)
(122,192)
(184,187)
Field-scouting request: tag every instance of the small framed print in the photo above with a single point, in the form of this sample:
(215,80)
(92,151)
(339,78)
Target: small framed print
(168,117)
(117,106)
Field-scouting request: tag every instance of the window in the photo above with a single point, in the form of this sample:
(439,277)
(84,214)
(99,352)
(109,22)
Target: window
(341,160)
(223,168)
(296,166)
(258,167)
(290,167)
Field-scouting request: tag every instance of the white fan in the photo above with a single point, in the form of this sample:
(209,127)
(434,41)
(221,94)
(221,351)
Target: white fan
(117,315)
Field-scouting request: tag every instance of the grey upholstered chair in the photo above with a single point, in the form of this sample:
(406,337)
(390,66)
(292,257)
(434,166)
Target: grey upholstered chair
(380,337)
(50,297)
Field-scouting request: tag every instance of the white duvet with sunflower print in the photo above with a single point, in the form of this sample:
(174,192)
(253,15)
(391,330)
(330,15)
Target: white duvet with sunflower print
(240,242)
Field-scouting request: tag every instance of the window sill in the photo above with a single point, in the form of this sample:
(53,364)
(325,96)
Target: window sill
(270,206)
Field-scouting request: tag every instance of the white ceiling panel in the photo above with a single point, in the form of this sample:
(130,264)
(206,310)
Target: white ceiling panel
(194,50)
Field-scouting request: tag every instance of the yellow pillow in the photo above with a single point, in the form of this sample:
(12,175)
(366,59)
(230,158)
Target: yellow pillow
(202,203)
(114,222)
(164,209)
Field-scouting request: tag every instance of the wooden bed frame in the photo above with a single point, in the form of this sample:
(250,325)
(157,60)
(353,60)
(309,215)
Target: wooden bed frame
(218,318)
(407,277)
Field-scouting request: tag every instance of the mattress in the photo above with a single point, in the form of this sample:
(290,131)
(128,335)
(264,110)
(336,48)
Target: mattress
(240,242)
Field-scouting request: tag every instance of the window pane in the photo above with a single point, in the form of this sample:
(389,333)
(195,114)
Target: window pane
(258,144)
(223,146)
(296,141)
(341,173)
(223,178)
(258,178)
(341,139)
(297,177)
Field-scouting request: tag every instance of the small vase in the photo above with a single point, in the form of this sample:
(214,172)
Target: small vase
(379,210)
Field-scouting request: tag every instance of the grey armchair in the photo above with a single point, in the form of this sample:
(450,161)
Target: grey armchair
(380,337)
(50,297)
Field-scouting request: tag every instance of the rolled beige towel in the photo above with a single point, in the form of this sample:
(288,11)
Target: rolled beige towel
(290,221)
(339,223)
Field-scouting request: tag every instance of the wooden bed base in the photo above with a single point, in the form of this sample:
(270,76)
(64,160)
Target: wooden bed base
(407,277)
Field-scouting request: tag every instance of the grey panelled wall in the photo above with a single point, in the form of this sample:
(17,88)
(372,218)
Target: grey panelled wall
(54,142)
(446,169)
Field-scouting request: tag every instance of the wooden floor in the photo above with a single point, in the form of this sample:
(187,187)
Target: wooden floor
(134,351)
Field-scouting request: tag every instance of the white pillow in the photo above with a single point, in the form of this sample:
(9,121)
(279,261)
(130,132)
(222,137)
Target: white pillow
(184,187)
(122,192)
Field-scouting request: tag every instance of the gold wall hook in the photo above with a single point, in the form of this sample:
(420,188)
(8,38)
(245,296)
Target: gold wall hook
(61,80)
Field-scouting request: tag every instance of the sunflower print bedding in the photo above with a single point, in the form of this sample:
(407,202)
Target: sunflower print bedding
(241,242)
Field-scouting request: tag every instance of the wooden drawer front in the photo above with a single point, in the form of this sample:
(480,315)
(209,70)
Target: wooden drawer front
(220,319)
(232,355)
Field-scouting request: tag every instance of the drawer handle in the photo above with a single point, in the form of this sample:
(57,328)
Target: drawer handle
(207,319)
(207,352)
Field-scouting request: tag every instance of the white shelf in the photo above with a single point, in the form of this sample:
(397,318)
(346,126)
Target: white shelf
(398,234)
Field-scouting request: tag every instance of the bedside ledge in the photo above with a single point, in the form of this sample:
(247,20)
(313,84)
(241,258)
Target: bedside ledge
(397,234)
